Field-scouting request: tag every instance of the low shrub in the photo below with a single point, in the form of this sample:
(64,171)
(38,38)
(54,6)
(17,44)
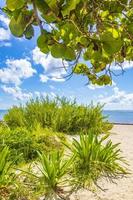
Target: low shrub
(58,114)
(26,143)
(15,117)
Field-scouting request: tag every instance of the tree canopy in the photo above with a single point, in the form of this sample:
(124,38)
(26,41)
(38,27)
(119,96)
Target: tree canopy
(77,31)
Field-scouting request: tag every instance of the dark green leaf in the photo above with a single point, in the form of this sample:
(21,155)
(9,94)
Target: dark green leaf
(15,4)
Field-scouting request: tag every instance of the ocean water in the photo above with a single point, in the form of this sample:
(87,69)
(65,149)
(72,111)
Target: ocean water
(119,116)
(115,116)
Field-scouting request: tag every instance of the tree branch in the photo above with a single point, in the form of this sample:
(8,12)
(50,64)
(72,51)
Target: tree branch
(37,16)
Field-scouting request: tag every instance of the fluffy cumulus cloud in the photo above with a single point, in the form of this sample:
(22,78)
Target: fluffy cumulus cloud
(118,100)
(16,71)
(94,87)
(53,68)
(4,20)
(22,95)
(5,34)
(44,78)
(124,65)
(17,93)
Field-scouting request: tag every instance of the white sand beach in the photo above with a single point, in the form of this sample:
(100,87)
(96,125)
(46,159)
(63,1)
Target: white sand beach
(123,190)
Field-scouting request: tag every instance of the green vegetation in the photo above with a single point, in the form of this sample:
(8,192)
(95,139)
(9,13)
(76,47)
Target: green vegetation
(100,32)
(40,157)
(95,158)
(4,167)
(26,143)
(53,168)
(60,115)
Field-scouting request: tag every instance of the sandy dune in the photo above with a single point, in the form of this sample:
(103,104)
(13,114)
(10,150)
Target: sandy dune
(123,190)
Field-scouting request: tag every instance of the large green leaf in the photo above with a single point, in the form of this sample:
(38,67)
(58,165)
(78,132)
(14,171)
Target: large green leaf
(130,28)
(81,68)
(50,17)
(52,4)
(62,51)
(69,6)
(42,6)
(42,42)
(29,32)
(58,50)
(110,44)
(15,4)
(17,27)
(19,23)
(69,54)
(104,80)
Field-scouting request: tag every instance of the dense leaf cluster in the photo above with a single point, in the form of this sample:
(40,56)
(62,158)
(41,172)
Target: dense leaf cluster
(100,32)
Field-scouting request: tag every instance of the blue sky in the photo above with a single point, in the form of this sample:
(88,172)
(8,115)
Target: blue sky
(27,73)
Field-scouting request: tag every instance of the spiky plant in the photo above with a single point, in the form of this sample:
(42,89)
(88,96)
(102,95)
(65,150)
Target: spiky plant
(54,168)
(5,176)
(4,166)
(95,157)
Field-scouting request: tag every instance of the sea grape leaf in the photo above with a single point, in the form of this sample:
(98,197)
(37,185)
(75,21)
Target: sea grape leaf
(62,51)
(42,42)
(69,54)
(110,44)
(50,17)
(81,68)
(53,5)
(18,23)
(15,4)
(42,6)
(29,32)
(104,79)
(58,50)
(17,26)
(69,6)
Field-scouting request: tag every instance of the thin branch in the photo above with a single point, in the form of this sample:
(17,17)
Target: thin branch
(37,16)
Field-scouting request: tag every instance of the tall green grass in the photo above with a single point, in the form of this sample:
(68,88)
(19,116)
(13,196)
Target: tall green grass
(59,114)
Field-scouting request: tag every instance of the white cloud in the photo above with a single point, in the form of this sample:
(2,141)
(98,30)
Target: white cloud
(44,78)
(53,67)
(58,78)
(16,71)
(94,87)
(118,100)
(5,44)
(17,93)
(124,65)
(4,20)
(5,34)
